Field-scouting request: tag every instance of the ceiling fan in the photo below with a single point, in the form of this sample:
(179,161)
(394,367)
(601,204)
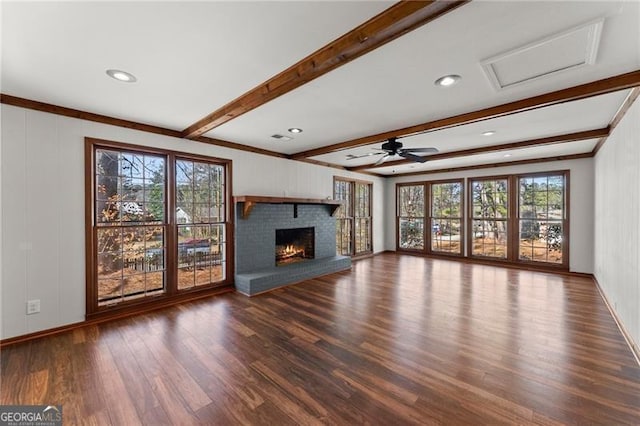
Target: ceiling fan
(391,148)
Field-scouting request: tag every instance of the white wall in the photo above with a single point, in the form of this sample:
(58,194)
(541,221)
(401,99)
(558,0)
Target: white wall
(42,199)
(617,222)
(580,203)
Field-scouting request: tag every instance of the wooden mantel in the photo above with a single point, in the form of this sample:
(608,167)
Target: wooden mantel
(250,201)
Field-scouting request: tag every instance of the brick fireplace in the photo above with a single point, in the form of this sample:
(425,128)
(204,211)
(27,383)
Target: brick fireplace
(264,227)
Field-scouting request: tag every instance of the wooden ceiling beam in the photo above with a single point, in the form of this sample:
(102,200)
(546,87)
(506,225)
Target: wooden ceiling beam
(583,91)
(551,140)
(392,23)
(496,165)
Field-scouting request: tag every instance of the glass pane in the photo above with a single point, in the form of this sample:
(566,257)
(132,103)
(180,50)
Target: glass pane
(200,255)
(109,291)
(363,235)
(154,168)
(411,201)
(107,162)
(445,202)
(411,235)
(445,236)
(186,277)
(133,285)
(199,192)
(109,239)
(490,210)
(556,205)
(184,172)
(540,228)
(154,283)
(123,184)
(155,201)
(200,213)
(343,237)
(489,238)
(541,241)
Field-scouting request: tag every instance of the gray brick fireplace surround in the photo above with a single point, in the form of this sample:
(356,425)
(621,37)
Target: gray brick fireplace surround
(255,239)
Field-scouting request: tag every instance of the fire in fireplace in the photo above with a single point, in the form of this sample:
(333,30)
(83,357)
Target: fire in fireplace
(294,245)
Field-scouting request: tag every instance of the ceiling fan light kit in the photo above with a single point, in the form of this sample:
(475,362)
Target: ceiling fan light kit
(392,147)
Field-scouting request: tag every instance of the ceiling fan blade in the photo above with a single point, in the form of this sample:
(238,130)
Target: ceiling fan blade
(434,150)
(382,160)
(353,157)
(409,156)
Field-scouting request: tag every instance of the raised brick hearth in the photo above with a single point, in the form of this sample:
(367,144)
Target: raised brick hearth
(255,240)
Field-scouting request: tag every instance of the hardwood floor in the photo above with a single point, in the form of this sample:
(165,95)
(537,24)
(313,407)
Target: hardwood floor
(397,340)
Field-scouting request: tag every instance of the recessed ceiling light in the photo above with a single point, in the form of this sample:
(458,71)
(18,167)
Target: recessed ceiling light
(122,76)
(447,80)
(295,130)
(489,133)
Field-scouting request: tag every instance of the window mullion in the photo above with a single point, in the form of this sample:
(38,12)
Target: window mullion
(171,225)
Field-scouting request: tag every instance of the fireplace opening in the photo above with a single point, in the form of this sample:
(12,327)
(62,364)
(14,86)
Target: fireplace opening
(294,245)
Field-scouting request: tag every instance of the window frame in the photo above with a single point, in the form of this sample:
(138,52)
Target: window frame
(429,197)
(508,220)
(425,234)
(566,234)
(171,292)
(351,204)
(512,221)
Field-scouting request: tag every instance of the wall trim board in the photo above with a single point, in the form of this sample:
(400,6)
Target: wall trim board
(128,124)
(113,317)
(635,349)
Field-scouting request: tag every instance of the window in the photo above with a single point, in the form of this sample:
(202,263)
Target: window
(344,217)
(489,217)
(130,225)
(446,217)
(156,224)
(411,216)
(362,218)
(514,218)
(201,203)
(353,218)
(541,218)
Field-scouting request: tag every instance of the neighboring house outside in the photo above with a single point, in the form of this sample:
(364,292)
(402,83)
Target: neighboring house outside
(182,216)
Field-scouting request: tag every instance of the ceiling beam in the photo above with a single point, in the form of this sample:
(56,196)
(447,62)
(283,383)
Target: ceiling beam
(551,140)
(583,91)
(392,23)
(494,165)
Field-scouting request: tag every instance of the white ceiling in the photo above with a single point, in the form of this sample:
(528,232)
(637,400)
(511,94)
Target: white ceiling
(191,58)
(589,114)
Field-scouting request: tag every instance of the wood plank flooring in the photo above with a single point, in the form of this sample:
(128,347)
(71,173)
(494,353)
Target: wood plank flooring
(397,340)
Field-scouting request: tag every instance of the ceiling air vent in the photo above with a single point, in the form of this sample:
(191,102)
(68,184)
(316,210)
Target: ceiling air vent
(281,137)
(570,49)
